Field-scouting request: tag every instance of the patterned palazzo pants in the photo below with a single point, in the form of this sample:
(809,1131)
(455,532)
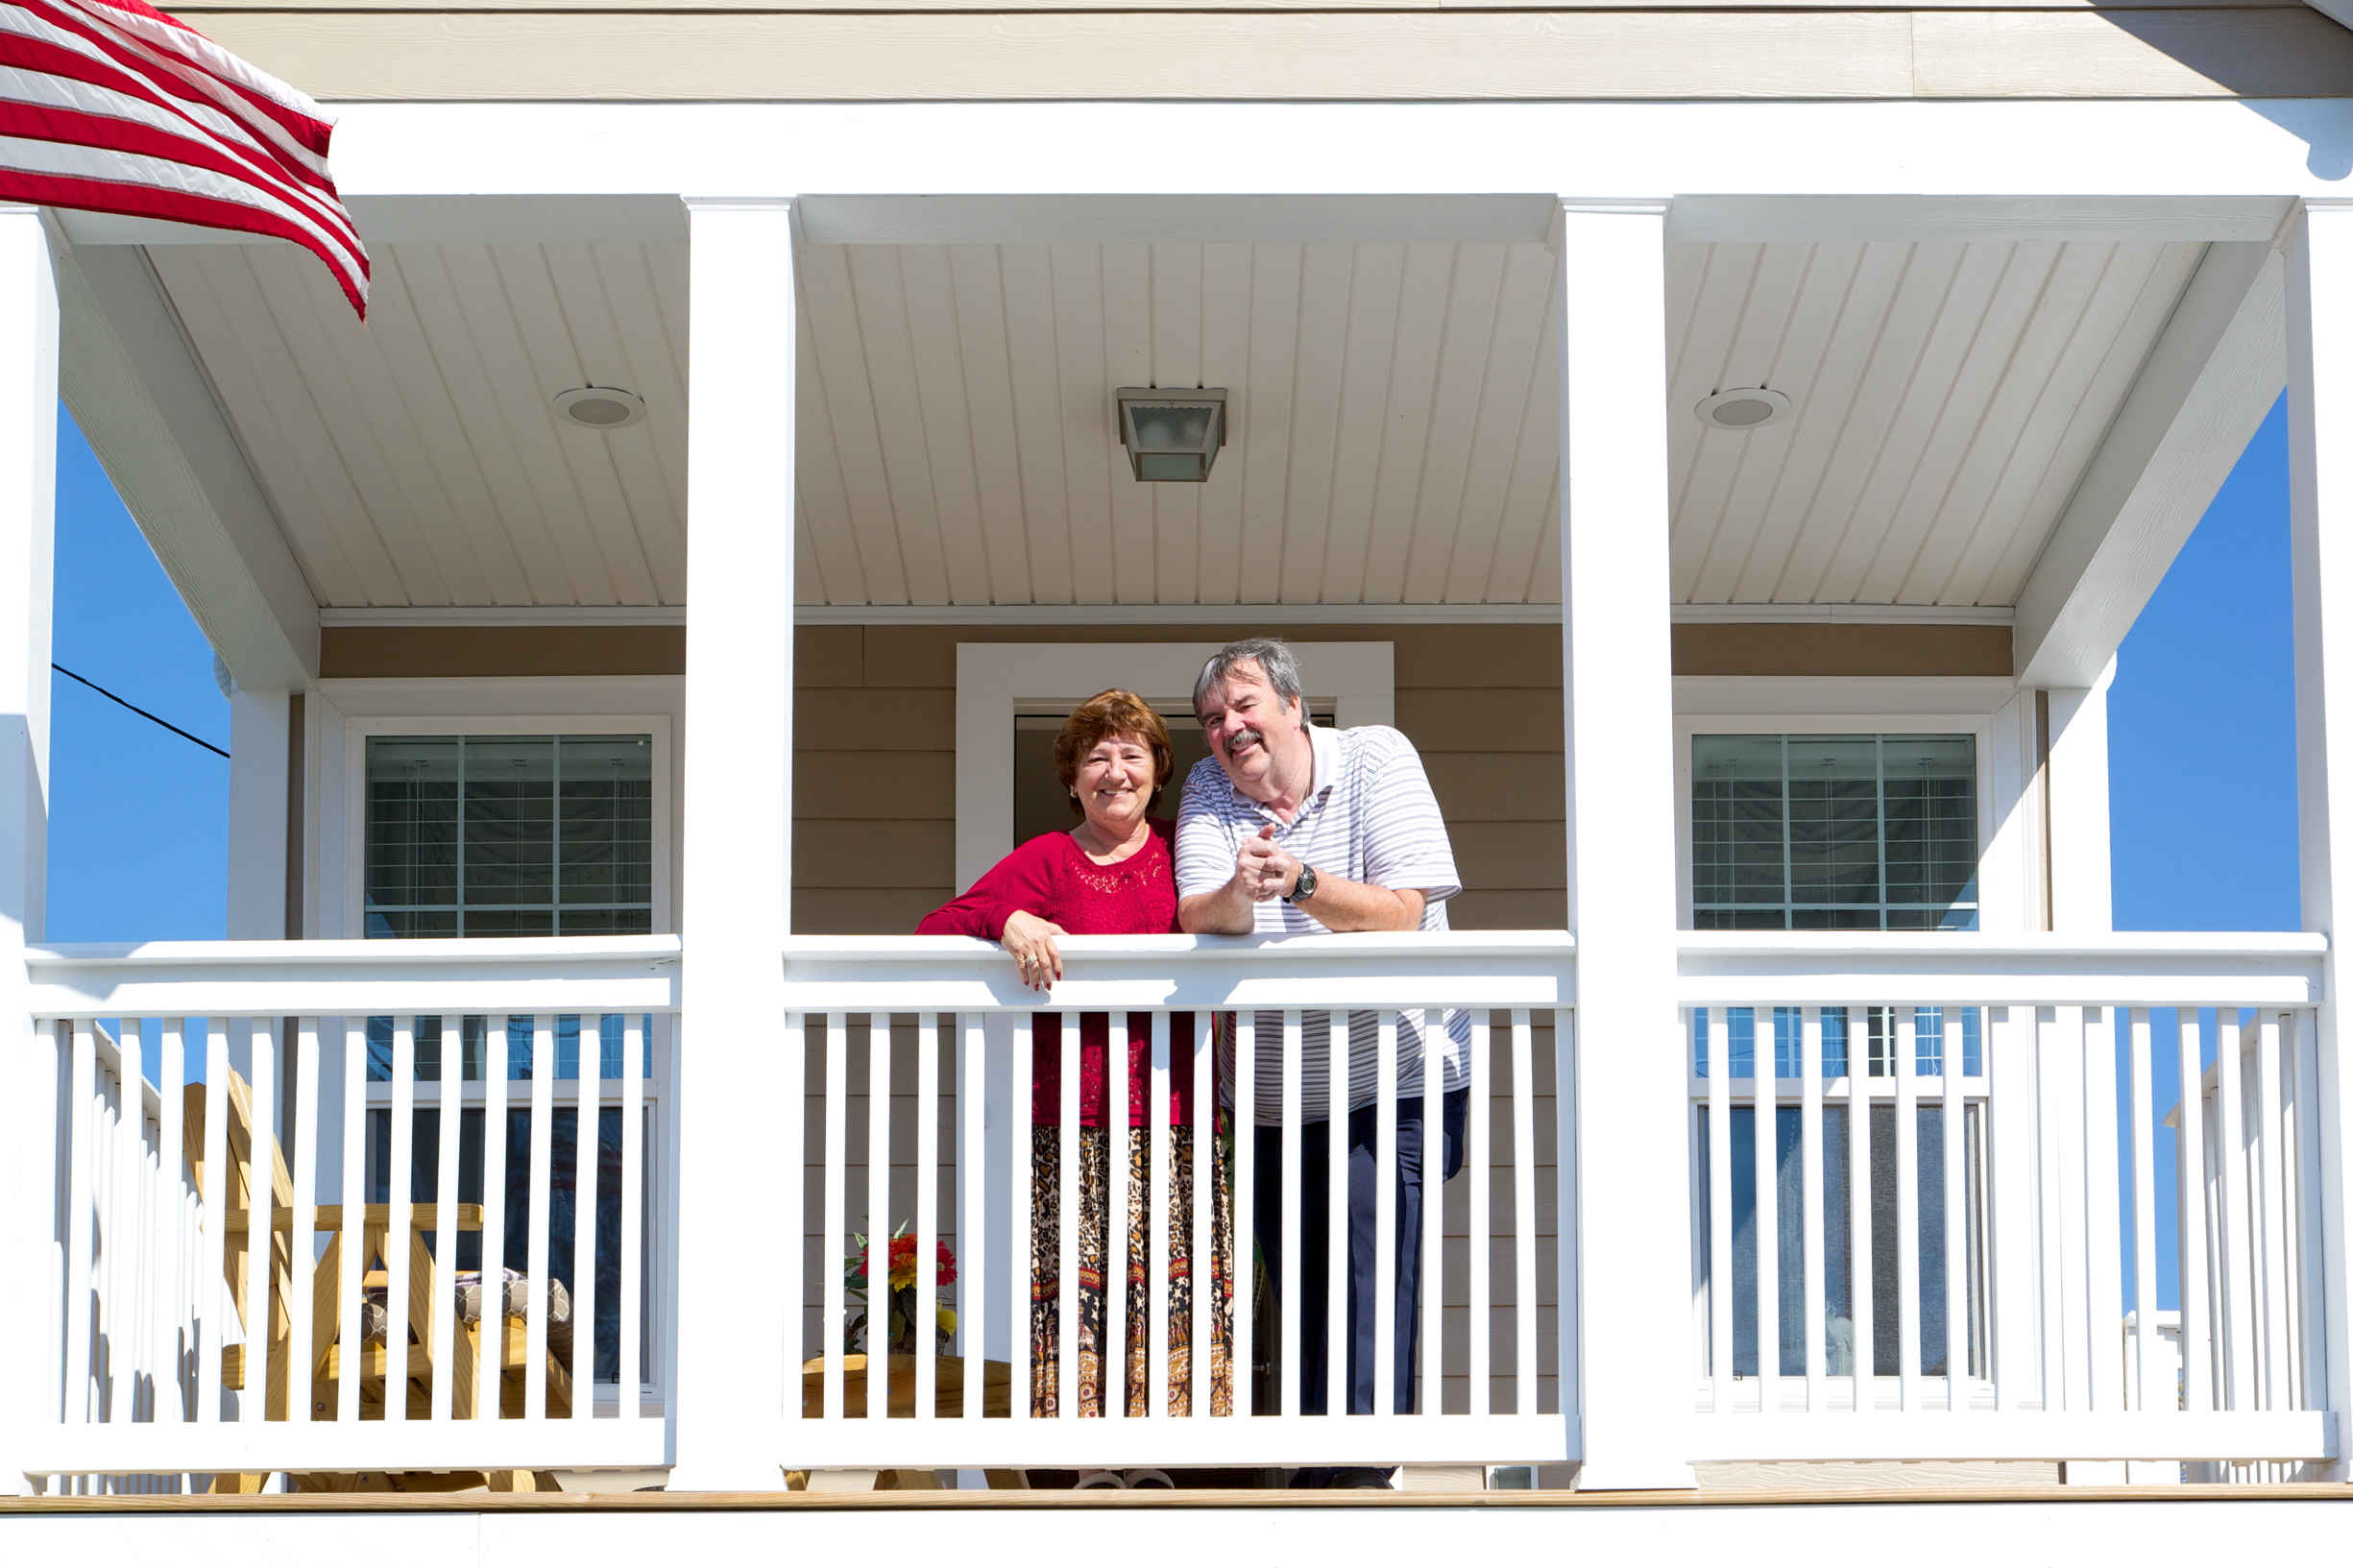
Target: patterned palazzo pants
(1094,1198)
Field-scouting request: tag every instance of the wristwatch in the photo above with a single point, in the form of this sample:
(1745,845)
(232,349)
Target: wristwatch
(1304,888)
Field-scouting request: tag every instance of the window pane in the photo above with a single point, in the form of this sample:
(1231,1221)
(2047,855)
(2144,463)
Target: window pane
(509,836)
(412,822)
(510,821)
(1833,833)
(607,813)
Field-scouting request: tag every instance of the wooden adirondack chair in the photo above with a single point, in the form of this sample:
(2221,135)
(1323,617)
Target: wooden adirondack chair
(509,1344)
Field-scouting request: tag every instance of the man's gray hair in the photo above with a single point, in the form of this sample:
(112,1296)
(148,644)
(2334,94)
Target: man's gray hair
(1274,661)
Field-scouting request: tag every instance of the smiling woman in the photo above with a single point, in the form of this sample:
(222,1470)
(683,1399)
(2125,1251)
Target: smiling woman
(1110,876)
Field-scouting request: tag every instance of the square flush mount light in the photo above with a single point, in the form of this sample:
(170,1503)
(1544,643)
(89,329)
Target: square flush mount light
(1172,435)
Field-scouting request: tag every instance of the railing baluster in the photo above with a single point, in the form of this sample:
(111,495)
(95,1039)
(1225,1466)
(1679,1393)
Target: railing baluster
(971,1222)
(301,1300)
(1523,1210)
(1908,1206)
(1069,1216)
(1864,1353)
(1159,1230)
(540,1291)
(400,1236)
(2190,1208)
(1478,1125)
(449,1121)
(1021,1267)
(1565,1189)
(588,1156)
(628,1383)
(212,1264)
(927,1215)
(1955,1084)
(2272,1185)
(1246,1200)
(260,1251)
(352,1347)
(2015,1195)
(1338,1086)
(833,1225)
(2230,1143)
(1291,1300)
(2104,1205)
(1385,1203)
(2146,1352)
(2306,1244)
(1765,1120)
(1816,1265)
(1723,1344)
(1434,1235)
(1202,1269)
(124,1252)
(1117,1137)
(170,1292)
(878,1217)
(498,1037)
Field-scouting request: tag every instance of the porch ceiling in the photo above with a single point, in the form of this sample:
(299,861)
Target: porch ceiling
(1394,409)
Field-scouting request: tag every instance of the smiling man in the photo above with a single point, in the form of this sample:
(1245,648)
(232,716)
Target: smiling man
(1291,829)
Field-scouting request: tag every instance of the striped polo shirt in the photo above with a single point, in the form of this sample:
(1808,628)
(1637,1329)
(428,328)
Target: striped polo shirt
(1370,817)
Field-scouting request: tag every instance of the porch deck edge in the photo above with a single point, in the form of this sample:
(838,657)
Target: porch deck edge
(927,1502)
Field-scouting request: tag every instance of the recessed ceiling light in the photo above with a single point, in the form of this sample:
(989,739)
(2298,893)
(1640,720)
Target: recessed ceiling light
(600,408)
(1742,408)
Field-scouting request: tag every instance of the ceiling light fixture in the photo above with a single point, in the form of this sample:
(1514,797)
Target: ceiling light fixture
(600,408)
(1742,408)
(1172,435)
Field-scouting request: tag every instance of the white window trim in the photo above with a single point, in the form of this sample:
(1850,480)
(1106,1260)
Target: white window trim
(360,730)
(996,681)
(1838,705)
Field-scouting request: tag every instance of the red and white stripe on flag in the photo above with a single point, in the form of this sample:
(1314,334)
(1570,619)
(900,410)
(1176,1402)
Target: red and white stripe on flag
(110,105)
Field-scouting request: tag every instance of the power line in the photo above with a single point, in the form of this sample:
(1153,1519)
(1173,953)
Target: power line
(137,708)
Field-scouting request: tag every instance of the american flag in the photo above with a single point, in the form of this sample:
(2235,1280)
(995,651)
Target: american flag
(110,105)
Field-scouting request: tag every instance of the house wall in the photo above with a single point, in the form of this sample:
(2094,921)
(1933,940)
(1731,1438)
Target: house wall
(1335,49)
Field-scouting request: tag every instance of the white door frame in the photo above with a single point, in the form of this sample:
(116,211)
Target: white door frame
(995,681)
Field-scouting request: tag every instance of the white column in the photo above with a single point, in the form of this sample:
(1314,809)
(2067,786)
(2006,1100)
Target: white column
(29,1250)
(738,1148)
(1634,1321)
(2080,895)
(2320,513)
(257,803)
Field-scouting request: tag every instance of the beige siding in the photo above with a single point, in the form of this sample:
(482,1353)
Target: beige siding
(1283,52)
(874,799)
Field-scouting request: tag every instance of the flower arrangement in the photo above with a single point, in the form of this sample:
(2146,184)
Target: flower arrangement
(898,1280)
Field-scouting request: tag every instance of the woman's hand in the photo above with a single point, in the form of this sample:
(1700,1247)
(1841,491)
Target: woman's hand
(1031,943)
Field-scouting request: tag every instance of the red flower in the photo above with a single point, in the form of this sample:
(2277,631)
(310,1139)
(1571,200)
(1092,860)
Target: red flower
(903,1263)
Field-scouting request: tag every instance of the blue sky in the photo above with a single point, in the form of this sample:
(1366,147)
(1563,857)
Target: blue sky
(2201,738)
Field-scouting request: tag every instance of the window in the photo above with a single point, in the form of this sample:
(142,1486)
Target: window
(1833,831)
(509,836)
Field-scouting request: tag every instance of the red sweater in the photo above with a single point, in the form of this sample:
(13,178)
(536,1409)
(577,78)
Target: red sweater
(1051,878)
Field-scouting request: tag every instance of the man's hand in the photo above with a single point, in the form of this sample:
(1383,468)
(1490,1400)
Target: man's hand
(1264,869)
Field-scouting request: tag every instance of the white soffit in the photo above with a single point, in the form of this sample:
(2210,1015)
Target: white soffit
(1947,396)
(418,460)
(1393,406)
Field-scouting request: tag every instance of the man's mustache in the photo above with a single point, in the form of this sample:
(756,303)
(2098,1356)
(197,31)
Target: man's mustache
(1238,736)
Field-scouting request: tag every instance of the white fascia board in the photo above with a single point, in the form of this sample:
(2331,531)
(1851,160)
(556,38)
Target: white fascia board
(2336,10)
(2202,169)
(2215,372)
(149,413)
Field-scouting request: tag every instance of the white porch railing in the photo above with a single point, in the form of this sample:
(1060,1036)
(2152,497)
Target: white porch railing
(217,1094)
(1924,1259)
(923,1047)
(1942,1169)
